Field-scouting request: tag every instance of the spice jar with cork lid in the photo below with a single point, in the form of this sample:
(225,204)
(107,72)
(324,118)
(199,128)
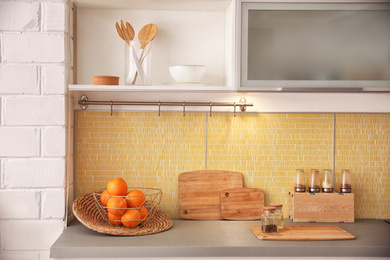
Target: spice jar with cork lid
(327,182)
(300,181)
(345,186)
(279,213)
(314,181)
(269,221)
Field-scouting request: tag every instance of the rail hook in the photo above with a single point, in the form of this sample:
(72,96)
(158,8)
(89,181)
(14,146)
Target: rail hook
(234,109)
(242,104)
(82,102)
(112,103)
(184,108)
(159,108)
(211,105)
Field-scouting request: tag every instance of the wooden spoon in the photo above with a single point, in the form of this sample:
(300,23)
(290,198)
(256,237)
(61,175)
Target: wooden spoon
(146,34)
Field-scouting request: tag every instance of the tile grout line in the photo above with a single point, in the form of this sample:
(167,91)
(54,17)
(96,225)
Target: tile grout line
(205,144)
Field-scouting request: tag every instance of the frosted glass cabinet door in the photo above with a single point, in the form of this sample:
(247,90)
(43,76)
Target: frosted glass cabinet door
(309,45)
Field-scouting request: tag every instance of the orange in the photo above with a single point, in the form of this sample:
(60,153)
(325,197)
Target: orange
(117,187)
(131,218)
(144,212)
(116,205)
(104,198)
(135,199)
(115,219)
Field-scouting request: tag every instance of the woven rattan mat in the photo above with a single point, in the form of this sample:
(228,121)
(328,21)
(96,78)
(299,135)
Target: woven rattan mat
(86,211)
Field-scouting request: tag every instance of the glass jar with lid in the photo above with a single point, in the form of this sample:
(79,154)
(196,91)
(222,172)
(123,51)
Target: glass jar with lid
(300,181)
(279,213)
(269,221)
(327,181)
(314,181)
(345,186)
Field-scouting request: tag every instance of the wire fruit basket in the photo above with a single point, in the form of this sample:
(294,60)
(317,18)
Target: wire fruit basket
(131,210)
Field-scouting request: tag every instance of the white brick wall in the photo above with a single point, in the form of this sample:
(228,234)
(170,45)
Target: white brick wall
(34,69)
(51,208)
(19,142)
(54,142)
(11,81)
(12,201)
(34,173)
(33,47)
(20,256)
(11,21)
(29,234)
(34,110)
(53,79)
(53,17)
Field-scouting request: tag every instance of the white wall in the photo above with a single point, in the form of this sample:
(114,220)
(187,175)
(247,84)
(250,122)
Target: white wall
(34,74)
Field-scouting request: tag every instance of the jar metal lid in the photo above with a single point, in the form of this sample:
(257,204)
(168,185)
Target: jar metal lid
(276,205)
(269,208)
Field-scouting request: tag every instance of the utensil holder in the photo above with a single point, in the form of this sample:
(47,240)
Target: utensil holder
(138,63)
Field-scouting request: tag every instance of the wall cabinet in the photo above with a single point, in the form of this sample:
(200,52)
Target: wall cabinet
(314,46)
(189,32)
(216,33)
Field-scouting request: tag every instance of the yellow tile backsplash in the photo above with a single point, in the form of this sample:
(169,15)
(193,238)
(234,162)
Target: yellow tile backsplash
(148,150)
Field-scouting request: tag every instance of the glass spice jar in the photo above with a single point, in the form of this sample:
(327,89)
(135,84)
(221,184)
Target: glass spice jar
(327,182)
(314,181)
(345,186)
(269,221)
(300,181)
(279,213)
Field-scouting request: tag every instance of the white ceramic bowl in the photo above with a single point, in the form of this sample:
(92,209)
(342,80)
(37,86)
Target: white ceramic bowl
(187,73)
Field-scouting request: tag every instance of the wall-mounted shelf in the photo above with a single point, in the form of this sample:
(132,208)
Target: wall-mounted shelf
(183,5)
(162,88)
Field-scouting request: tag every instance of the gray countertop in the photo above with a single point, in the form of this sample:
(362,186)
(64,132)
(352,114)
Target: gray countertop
(218,239)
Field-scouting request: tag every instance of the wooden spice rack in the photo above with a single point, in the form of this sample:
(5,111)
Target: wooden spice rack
(322,207)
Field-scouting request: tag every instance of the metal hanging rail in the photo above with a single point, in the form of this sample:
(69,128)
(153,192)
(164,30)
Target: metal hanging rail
(84,103)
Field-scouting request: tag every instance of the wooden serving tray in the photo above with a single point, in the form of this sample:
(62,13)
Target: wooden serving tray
(304,232)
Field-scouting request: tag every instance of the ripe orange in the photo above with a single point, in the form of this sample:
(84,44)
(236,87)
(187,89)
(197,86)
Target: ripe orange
(131,218)
(116,205)
(115,219)
(144,212)
(117,187)
(104,198)
(135,199)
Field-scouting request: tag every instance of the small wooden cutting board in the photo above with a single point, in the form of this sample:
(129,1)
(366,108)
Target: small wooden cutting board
(200,192)
(304,232)
(242,203)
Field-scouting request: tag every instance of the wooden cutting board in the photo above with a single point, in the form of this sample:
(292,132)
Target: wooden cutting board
(304,232)
(200,192)
(242,203)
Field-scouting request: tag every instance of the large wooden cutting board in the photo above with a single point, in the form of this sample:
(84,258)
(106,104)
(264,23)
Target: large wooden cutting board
(304,232)
(242,203)
(200,192)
